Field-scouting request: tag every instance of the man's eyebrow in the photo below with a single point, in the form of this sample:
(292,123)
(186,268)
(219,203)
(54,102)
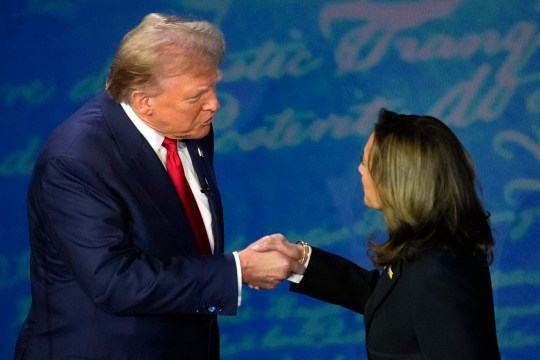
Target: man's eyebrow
(205,88)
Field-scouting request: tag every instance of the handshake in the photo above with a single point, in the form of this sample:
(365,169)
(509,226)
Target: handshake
(270,260)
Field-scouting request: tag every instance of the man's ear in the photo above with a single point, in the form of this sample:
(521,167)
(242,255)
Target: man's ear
(140,103)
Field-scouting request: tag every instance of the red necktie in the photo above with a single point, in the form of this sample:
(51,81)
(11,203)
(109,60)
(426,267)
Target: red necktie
(176,173)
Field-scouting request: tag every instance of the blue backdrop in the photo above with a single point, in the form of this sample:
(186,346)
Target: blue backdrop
(302,84)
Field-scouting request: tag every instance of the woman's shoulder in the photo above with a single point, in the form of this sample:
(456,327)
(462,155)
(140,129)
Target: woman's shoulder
(444,263)
(444,274)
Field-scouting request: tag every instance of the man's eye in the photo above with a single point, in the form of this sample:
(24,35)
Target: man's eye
(194,98)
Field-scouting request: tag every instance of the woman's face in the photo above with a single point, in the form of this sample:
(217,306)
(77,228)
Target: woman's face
(371,196)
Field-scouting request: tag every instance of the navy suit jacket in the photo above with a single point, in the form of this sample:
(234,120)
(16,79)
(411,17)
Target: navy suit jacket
(115,270)
(438,307)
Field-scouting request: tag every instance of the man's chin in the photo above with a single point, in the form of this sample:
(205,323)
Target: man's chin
(195,135)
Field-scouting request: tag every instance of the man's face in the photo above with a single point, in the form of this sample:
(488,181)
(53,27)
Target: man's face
(186,108)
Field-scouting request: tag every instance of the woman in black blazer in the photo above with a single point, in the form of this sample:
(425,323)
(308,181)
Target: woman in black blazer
(431,295)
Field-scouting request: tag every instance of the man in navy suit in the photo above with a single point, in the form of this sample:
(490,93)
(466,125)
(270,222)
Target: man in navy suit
(116,272)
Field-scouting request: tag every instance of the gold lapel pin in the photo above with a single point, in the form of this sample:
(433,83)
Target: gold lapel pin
(390,272)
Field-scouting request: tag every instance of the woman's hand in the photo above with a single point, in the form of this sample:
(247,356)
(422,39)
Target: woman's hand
(268,261)
(279,243)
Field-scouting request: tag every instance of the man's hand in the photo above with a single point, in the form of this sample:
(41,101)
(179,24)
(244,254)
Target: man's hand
(278,242)
(266,268)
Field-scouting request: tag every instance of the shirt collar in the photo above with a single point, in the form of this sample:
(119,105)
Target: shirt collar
(154,138)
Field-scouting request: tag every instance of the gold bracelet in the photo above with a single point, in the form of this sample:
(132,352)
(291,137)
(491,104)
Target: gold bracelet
(304,252)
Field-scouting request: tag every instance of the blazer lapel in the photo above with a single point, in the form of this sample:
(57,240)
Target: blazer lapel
(389,277)
(201,157)
(147,175)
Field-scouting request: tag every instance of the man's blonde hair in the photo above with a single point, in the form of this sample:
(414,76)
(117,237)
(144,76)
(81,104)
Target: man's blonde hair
(162,46)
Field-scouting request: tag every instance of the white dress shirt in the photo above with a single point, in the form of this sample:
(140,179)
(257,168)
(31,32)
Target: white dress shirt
(155,140)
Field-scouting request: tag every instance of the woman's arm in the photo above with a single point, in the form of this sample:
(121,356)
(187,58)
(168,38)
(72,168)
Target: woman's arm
(336,280)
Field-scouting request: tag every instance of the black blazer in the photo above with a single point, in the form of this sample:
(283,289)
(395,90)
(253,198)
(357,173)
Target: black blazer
(437,307)
(115,270)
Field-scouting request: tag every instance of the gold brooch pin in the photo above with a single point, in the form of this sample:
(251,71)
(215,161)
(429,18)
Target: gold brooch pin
(390,272)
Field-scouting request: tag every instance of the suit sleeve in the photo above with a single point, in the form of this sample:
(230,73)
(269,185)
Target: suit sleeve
(336,280)
(454,316)
(86,237)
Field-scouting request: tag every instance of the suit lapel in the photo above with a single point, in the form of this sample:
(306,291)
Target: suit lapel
(144,171)
(149,177)
(387,281)
(201,158)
